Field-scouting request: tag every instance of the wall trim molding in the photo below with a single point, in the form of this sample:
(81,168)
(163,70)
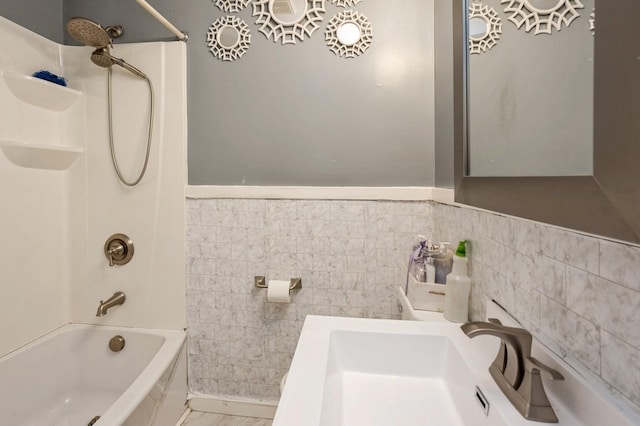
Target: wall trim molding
(443,195)
(184,417)
(233,407)
(391,193)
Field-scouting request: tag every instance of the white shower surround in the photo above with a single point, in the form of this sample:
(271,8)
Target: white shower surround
(54,270)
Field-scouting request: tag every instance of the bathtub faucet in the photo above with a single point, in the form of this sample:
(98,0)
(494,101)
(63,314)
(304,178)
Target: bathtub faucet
(118,298)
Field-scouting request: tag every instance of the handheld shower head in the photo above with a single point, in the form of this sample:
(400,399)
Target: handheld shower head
(102,58)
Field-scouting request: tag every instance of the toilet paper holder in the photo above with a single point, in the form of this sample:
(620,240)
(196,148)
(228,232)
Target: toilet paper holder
(261,282)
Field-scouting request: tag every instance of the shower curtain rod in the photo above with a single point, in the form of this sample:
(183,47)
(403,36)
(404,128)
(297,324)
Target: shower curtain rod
(182,36)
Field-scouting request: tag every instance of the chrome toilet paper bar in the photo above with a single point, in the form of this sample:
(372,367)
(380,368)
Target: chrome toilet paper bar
(261,282)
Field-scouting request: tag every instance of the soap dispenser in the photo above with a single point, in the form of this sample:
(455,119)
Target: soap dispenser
(456,300)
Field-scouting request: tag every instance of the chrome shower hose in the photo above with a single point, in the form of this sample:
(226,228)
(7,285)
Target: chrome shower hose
(150,131)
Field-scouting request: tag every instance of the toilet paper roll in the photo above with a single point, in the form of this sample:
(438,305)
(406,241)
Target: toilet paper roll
(278,291)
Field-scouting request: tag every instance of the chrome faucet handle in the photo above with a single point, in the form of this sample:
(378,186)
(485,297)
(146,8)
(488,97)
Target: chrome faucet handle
(115,249)
(534,403)
(532,364)
(118,249)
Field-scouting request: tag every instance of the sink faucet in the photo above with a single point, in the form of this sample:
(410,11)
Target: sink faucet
(118,298)
(515,371)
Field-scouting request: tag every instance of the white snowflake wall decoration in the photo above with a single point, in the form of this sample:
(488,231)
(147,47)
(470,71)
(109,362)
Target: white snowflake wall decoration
(493,25)
(359,44)
(231,6)
(542,21)
(287,29)
(220,46)
(592,22)
(345,3)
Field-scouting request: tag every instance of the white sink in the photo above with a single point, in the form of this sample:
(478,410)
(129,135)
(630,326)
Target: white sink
(413,379)
(350,371)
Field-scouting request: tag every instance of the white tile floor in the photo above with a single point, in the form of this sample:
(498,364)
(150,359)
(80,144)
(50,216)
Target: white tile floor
(197,418)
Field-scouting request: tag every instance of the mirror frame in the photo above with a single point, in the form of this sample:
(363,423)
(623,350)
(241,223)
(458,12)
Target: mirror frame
(359,46)
(605,204)
(228,53)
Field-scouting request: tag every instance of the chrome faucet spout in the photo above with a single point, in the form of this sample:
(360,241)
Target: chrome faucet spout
(495,328)
(118,298)
(516,346)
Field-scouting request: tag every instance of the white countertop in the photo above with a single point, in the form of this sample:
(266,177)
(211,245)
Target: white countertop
(302,399)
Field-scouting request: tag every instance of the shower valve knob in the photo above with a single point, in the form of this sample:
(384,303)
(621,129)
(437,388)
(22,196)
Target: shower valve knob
(118,249)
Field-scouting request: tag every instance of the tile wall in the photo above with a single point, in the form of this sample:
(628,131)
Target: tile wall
(577,292)
(580,293)
(347,254)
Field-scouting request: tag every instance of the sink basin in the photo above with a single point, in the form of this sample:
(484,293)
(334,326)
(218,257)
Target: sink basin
(414,379)
(354,371)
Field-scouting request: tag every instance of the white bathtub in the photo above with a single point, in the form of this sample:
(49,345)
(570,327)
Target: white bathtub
(70,375)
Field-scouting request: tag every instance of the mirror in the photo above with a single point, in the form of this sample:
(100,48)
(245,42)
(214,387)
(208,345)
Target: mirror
(287,12)
(544,6)
(348,33)
(531,96)
(603,200)
(478,28)
(288,21)
(228,37)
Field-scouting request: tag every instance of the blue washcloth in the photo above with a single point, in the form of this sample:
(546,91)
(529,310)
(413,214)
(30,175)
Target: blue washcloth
(46,75)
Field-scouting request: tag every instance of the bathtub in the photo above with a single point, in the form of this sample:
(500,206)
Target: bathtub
(70,376)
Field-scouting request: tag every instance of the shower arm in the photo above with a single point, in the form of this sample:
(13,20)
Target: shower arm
(182,36)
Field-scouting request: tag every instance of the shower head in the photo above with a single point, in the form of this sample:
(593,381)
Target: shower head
(91,33)
(102,58)
(88,32)
(95,35)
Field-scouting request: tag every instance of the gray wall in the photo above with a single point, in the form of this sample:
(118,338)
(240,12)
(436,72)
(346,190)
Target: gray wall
(531,101)
(299,115)
(40,16)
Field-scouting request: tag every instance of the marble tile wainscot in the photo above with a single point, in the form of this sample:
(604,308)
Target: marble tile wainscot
(580,293)
(350,254)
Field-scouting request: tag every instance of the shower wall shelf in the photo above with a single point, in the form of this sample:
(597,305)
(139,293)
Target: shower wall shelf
(39,156)
(38,92)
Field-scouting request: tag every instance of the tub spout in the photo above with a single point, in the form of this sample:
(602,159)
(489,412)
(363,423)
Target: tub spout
(118,298)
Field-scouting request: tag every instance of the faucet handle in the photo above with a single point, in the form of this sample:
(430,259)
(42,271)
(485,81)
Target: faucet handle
(534,400)
(118,249)
(533,364)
